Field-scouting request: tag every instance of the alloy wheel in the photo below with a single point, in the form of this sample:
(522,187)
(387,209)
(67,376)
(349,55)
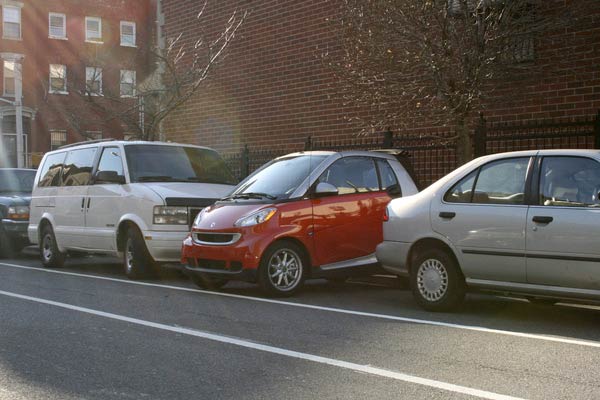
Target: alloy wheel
(285,269)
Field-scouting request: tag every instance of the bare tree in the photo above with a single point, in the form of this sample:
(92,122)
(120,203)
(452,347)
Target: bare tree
(438,59)
(181,68)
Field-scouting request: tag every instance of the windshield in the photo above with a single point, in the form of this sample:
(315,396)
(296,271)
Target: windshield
(155,163)
(13,180)
(280,178)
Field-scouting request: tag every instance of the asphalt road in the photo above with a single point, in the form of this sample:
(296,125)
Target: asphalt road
(86,332)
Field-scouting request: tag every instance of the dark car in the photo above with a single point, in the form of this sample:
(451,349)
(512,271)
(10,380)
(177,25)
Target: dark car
(15,195)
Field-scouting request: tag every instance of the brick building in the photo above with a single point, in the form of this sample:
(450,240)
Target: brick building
(67,49)
(274,90)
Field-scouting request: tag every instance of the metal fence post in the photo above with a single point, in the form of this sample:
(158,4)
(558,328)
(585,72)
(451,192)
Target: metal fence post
(245,167)
(480,137)
(597,131)
(308,143)
(388,139)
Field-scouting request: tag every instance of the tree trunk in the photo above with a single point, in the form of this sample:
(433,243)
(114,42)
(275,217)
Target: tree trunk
(464,143)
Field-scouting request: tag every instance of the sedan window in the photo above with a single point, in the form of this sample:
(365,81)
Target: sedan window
(570,182)
(502,182)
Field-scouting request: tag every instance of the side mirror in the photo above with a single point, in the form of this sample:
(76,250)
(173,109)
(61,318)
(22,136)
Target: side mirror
(325,189)
(109,177)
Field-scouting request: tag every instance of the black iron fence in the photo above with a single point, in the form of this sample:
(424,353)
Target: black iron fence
(433,156)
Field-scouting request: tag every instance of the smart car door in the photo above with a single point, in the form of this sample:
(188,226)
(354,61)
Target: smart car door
(347,225)
(483,216)
(562,228)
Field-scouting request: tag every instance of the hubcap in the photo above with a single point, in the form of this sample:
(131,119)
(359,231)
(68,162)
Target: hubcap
(129,256)
(47,247)
(285,269)
(432,280)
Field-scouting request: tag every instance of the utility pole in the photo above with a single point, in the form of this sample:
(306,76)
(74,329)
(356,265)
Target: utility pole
(19,113)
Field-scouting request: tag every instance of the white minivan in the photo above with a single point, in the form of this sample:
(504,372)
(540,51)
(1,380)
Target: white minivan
(132,199)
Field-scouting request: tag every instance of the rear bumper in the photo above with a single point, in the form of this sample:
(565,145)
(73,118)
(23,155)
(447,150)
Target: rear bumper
(393,256)
(16,229)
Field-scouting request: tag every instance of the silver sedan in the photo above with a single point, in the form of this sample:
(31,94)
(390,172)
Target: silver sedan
(521,222)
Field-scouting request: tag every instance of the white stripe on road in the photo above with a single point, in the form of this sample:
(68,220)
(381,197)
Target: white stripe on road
(277,350)
(475,328)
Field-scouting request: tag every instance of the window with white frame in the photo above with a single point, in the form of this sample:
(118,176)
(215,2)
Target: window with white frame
(57,26)
(127,83)
(58,137)
(93,80)
(11,22)
(93,135)
(58,78)
(93,29)
(127,33)
(9,78)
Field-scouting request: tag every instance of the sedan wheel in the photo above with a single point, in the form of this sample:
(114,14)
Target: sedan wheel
(436,281)
(282,269)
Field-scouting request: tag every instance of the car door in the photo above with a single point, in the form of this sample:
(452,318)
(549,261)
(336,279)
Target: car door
(347,226)
(70,206)
(483,216)
(103,207)
(563,248)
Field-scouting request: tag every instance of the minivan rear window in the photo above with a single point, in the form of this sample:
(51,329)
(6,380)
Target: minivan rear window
(156,163)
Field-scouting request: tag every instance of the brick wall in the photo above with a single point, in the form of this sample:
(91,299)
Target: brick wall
(273,89)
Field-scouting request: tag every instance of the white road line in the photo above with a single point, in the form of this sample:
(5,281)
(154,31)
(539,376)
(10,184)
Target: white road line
(548,338)
(277,350)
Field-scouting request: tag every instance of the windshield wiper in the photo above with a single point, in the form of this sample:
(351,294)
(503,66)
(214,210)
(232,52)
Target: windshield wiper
(208,180)
(157,178)
(250,195)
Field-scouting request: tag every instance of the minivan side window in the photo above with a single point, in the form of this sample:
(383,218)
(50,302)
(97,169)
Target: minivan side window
(569,182)
(51,170)
(78,167)
(110,160)
(352,175)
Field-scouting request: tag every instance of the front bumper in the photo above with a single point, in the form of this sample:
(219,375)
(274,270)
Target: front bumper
(393,256)
(16,229)
(164,246)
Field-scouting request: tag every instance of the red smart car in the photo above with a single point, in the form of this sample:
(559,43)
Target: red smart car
(304,215)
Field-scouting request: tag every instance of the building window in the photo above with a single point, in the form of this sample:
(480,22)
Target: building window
(127,83)
(93,135)
(9,78)
(57,27)
(58,78)
(93,29)
(11,22)
(57,138)
(93,80)
(127,33)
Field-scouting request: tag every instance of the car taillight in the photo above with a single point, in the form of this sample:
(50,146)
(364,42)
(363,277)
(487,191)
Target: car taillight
(386,215)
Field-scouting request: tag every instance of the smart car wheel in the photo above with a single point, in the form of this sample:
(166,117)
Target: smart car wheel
(207,282)
(281,271)
(436,281)
(50,255)
(137,262)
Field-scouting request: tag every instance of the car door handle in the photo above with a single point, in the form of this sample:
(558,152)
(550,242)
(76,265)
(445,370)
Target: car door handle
(82,203)
(89,201)
(542,220)
(447,214)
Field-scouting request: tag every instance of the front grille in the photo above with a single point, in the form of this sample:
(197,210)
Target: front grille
(215,239)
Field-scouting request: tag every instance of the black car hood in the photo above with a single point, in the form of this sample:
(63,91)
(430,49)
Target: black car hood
(15,198)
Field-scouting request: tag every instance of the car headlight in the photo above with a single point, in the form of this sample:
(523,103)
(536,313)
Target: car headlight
(18,212)
(169,215)
(256,218)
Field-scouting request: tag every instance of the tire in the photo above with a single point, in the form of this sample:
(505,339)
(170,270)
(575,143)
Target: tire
(137,261)
(436,281)
(50,255)
(6,245)
(207,282)
(282,262)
